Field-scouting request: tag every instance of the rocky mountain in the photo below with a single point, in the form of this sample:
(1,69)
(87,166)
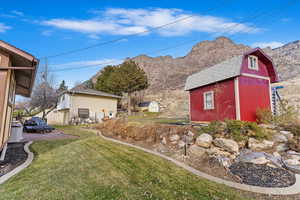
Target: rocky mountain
(287,60)
(168,73)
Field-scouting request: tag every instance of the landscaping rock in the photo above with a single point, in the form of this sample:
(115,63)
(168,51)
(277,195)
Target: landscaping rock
(227,145)
(224,161)
(181,144)
(255,145)
(292,162)
(293,168)
(287,134)
(174,138)
(190,133)
(282,147)
(280,138)
(248,156)
(218,151)
(262,175)
(204,140)
(294,155)
(197,151)
(267,126)
(188,139)
(164,141)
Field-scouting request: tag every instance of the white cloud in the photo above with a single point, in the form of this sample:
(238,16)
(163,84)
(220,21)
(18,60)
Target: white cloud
(85,63)
(119,21)
(4,28)
(47,32)
(272,44)
(18,13)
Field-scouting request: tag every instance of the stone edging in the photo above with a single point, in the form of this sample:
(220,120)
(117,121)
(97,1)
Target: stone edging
(20,167)
(291,190)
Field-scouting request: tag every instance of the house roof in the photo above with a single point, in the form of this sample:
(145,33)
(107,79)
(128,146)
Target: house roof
(224,70)
(92,92)
(228,69)
(24,65)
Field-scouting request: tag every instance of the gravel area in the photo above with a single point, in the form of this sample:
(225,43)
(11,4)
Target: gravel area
(15,155)
(262,175)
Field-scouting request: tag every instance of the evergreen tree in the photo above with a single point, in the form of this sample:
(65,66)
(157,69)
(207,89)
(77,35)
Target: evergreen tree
(131,78)
(62,87)
(125,78)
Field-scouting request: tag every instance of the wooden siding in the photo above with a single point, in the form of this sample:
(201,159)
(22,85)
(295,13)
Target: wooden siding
(224,102)
(254,94)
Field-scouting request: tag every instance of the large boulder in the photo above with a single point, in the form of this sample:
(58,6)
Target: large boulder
(227,144)
(204,140)
(216,151)
(197,151)
(280,138)
(174,138)
(292,162)
(287,134)
(282,147)
(256,145)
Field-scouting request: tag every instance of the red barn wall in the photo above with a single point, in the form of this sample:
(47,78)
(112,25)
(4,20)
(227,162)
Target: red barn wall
(224,102)
(254,94)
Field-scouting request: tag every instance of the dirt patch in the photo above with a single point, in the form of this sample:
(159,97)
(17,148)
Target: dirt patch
(15,156)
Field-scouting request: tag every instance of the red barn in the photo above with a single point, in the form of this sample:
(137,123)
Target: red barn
(233,89)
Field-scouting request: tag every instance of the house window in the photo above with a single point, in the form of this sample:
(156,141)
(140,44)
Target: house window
(208,100)
(83,113)
(253,62)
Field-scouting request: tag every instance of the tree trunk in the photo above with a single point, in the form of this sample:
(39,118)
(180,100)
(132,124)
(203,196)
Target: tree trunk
(129,103)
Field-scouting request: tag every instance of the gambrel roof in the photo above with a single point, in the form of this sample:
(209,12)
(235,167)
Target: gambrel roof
(227,69)
(224,70)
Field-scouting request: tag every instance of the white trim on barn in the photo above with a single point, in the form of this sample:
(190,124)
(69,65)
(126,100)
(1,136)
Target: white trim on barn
(212,100)
(270,94)
(237,99)
(255,76)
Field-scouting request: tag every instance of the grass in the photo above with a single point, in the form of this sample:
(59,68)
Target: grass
(92,168)
(148,117)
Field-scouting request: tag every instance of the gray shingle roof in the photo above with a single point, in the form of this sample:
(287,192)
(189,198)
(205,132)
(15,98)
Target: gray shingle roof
(92,92)
(224,70)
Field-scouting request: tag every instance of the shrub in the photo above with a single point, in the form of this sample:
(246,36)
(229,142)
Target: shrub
(214,127)
(264,116)
(237,130)
(286,114)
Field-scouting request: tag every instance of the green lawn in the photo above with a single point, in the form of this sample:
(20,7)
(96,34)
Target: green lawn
(92,168)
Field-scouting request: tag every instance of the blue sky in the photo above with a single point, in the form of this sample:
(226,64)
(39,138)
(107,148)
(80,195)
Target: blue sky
(49,28)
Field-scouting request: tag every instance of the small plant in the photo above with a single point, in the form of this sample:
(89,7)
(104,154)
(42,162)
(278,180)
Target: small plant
(236,129)
(214,127)
(286,114)
(264,116)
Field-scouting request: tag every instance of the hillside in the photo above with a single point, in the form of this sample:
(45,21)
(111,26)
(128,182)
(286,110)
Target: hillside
(167,75)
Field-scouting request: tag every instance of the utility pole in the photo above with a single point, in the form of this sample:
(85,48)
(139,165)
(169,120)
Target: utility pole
(45,79)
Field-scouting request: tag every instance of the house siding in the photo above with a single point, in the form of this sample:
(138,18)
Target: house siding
(224,102)
(6,109)
(95,104)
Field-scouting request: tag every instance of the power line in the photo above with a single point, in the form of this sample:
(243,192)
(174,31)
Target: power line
(128,36)
(179,44)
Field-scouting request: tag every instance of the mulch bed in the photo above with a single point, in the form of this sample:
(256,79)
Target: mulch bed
(262,175)
(15,156)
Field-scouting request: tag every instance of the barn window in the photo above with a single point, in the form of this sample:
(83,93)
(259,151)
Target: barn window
(83,113)
(253,62)
(208,100)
